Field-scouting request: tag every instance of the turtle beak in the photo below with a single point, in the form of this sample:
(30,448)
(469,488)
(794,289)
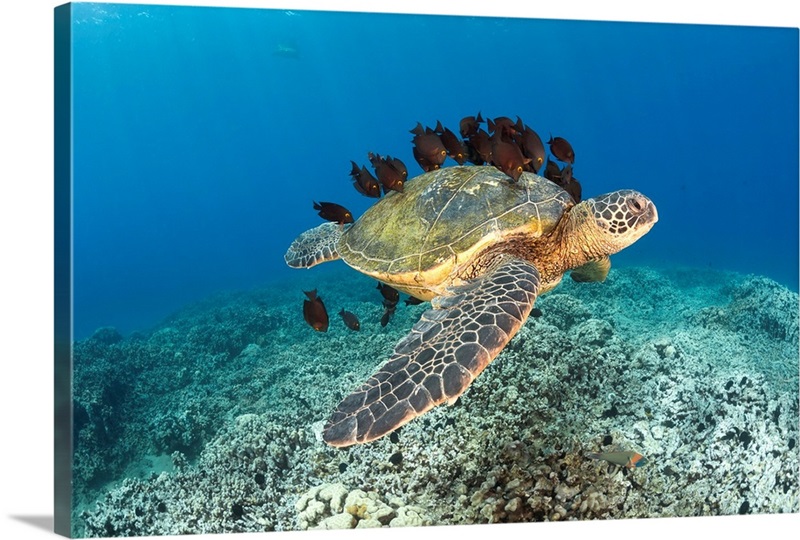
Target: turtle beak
(643,210)
(651,214)
(641,215)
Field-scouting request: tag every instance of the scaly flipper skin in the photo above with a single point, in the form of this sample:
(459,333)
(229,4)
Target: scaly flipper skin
(444,352)
(592,271)
(317,245)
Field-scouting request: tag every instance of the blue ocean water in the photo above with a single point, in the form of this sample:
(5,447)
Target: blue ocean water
(202,135)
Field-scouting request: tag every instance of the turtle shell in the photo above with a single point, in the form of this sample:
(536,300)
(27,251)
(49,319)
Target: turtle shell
(443,218)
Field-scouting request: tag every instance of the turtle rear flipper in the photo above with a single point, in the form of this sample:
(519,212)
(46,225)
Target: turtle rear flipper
(446,349)
(317,245)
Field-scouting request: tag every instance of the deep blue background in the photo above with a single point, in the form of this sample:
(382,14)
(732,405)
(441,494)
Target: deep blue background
(199,146)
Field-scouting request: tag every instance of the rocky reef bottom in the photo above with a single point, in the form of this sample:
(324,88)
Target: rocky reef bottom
(211,422)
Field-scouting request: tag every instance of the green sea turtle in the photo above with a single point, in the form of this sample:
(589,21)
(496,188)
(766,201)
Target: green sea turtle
(481,248)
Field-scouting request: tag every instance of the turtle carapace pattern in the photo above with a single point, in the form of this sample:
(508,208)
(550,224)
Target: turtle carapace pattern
(481,248)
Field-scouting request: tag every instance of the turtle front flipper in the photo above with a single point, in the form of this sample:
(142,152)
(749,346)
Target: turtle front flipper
(592,271)
(317,245)
(448,347)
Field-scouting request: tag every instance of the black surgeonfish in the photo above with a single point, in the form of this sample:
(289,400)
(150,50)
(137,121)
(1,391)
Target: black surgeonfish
(563,177)
(455,148)
(426,164)
(469,125)
(390,178)
(387,313)
(334,212)
(570,183)
(374,187)
(575,190)
(566,175)
(389,293)
(473,156)
(364,182)
(503,124)
(552,172)
(482,145)
(314,312)
(532,147)
(350,320)
(428,146)
(561,149)
(399,166)
(508,157)
(390,299)
(418,129)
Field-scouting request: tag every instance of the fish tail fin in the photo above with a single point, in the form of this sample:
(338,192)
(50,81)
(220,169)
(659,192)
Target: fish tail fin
(637,461)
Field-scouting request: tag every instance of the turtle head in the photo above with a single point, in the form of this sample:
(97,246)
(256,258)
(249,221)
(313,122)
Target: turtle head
(620,219)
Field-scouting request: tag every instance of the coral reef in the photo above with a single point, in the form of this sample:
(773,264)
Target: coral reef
(211,423)
(334,506)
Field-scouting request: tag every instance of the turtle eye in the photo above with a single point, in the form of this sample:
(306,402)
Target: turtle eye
(635,205)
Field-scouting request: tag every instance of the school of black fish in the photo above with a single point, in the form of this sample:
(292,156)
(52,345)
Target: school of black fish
(510,145)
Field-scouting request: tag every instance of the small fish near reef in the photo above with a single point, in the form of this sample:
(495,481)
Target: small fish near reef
(390,299)
(629,459)
(350,320)
(388,311)
(389,293)
(334,212)
(314,312)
